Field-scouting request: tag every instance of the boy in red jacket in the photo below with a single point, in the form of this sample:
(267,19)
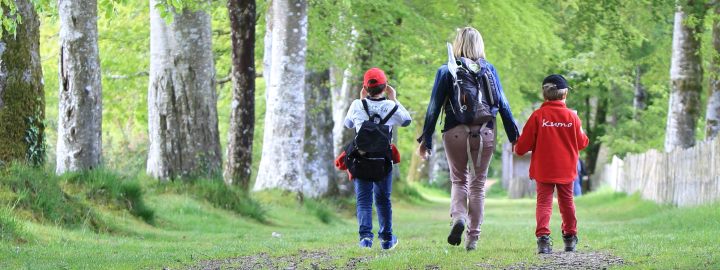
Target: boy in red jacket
(554,135)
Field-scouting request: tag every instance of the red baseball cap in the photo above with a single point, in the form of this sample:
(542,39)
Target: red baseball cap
(374,74)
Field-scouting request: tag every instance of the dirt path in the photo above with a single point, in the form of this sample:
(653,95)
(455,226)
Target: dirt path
(323,260)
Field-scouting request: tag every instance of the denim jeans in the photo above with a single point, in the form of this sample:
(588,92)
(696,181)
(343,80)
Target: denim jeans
(364,191)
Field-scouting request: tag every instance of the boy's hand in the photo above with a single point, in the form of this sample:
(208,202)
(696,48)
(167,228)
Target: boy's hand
(423,152)
(390,92)
(363,93)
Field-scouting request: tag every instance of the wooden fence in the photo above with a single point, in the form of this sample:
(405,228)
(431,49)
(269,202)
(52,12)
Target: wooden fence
(683,177)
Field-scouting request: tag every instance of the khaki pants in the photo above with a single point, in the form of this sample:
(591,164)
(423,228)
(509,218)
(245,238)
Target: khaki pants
(468,191)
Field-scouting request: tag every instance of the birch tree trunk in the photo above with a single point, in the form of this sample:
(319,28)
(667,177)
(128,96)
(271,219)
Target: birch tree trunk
(282,164)
(182,112)
(712,117)
(79,145)
(22,96)
(685,81)
(267,46)
(341,81)
(319,169)
(439,170)
(242,116)
(640,97)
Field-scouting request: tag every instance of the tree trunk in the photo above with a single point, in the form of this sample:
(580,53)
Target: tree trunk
(242,116)
(439,169)
(267,46)
(594,133)
(282,163)
(79,145)
(319,169)
(712,118)
(418,170)
(182,112)
(685,81)
(341,81)
(640,98)
(22,96)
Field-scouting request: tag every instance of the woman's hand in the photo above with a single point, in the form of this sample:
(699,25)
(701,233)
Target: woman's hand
(363,93)
(423,152)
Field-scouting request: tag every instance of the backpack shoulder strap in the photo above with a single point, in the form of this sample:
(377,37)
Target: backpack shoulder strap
(365,106)
(390,114)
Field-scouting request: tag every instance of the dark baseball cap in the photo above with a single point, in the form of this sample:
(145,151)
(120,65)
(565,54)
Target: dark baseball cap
(556,79)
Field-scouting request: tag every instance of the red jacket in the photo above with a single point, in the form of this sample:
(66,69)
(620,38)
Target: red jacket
(340,160)
(554,135)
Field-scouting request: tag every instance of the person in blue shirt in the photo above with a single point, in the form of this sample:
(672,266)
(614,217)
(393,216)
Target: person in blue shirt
(463,142)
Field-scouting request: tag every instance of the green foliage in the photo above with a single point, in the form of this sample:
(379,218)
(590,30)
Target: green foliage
(220,195)
(35,154)
(9,18)
(168,8)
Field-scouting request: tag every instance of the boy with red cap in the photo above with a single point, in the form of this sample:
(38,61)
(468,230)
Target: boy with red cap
(554,135)
(372,104)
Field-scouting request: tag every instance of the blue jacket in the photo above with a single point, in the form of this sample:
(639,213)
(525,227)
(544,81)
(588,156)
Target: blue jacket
(441,90)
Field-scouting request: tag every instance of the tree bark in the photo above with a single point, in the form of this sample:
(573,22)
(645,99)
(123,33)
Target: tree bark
(182,103)
(594,133)
(341,81)
(319,170)
(282,164)
(22,96)
(439,169)
(640,98)
(79,145)
(712,117)
(267,45)
(685,80)
(242,116)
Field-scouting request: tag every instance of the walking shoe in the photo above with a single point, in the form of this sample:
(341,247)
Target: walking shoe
(471,243)
(389,244)
(456,232)
(366,242)
(544,244)
(570,242)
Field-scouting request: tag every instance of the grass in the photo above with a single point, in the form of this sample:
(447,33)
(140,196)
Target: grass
(193,226)
(220,195)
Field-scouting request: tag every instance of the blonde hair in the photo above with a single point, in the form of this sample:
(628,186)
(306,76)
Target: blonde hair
(469,44)
(551,92)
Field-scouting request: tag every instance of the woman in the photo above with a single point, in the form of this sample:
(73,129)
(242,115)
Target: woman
(468,189)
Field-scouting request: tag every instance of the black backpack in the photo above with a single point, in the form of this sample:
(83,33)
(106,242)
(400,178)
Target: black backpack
(369,156)
(473,90)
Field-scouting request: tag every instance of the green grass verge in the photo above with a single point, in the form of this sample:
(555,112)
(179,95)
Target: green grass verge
(220,195)
(190,228)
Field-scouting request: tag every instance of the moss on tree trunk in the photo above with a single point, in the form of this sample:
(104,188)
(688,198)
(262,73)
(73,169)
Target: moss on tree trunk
(22,97)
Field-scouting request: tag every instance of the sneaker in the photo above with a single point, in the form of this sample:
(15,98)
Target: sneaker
(570,242)
(366,242)
(544,244)
(456,232)
(389,244)
(471,243)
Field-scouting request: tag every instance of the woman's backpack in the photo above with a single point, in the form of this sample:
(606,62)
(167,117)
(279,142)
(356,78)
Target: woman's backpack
(369,154)
(473,92)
